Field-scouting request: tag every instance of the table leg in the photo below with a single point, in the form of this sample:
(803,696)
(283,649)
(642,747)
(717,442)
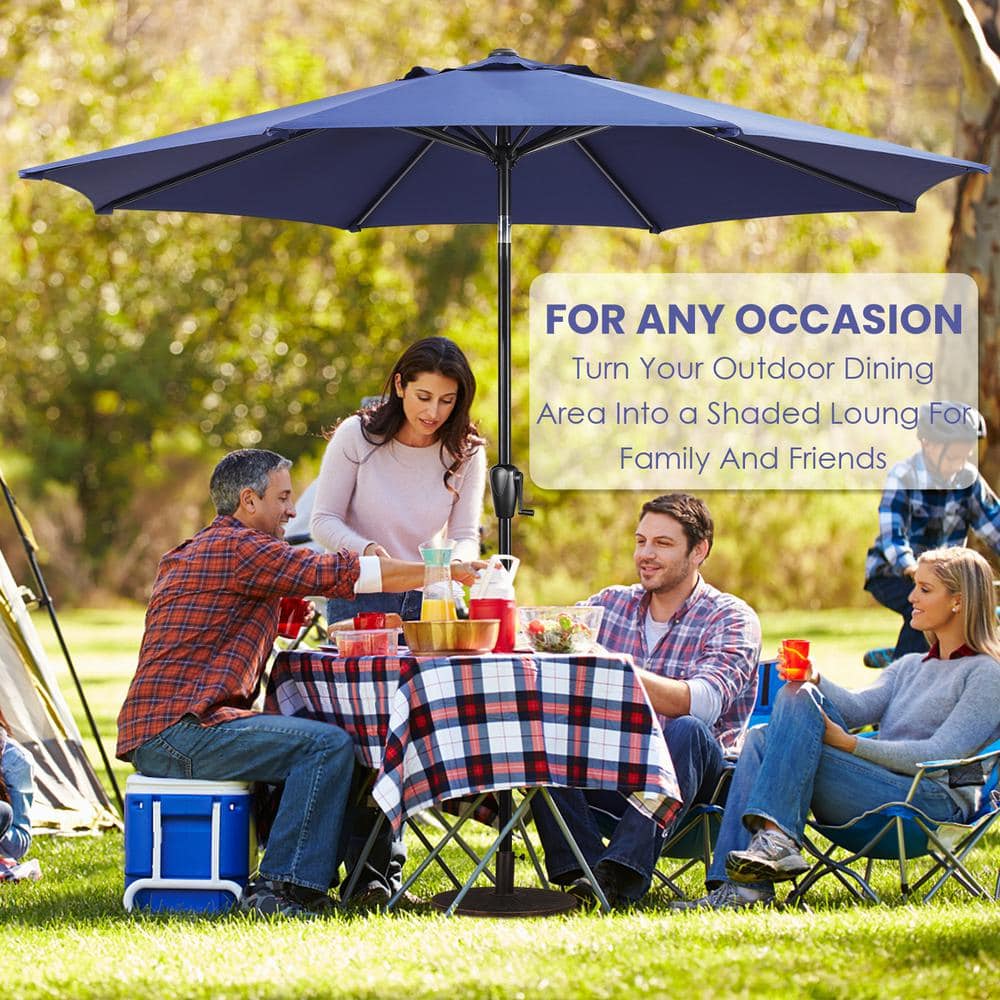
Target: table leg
(497,846)
(577,853)
(452,832)
(533,854)
(348,890)
(439,816)
(518,901)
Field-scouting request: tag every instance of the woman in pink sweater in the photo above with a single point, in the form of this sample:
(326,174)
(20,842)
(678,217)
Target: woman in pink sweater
(411,468)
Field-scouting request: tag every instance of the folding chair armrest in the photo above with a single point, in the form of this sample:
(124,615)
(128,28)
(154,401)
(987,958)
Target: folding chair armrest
(993,750)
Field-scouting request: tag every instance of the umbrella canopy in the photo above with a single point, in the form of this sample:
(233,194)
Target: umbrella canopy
(507,140)
(587,151)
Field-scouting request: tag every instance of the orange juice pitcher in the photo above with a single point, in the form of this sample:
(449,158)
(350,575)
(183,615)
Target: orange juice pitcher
(438,603)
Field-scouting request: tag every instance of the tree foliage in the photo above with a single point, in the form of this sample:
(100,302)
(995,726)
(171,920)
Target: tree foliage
(138,347)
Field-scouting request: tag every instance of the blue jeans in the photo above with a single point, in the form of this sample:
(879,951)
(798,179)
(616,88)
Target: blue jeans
(315,760)
(785,769)
(893,592)
(6,818)
(635,839)
(388,854)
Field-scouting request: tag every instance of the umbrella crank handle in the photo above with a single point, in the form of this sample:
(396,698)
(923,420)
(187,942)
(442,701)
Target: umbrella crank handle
(507,487)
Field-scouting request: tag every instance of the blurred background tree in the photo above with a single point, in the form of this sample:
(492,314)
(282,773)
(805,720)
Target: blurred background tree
(975,232)
(137,348)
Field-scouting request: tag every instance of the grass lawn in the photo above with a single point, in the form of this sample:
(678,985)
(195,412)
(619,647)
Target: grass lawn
(67,935)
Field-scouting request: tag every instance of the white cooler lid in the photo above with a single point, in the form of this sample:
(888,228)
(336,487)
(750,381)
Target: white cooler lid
(143,784)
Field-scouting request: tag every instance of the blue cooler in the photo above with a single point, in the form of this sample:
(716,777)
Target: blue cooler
(187,843)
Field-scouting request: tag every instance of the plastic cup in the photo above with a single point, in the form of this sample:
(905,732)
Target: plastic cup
(794,656)
(292,616)
(369,619)
(503,609)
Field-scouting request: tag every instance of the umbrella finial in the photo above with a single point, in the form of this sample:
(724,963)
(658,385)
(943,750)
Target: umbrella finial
(503,52)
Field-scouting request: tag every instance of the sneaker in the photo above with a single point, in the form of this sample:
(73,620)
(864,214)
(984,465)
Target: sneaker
(878,658)
(724,897)
(285,899)
(771,857)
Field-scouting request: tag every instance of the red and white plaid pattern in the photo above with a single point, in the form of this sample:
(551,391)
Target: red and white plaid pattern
(355,694)
(462,725)
(211,622)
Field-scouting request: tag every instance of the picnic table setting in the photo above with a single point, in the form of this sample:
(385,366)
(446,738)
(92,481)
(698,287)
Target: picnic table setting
(440,724)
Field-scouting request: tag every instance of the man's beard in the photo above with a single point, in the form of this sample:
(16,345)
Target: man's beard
(666,583)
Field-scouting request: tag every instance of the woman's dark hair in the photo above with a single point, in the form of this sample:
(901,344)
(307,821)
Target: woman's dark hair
(458,436)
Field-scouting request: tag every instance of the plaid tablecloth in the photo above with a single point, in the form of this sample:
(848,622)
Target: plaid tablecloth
(356,694)
(437,728)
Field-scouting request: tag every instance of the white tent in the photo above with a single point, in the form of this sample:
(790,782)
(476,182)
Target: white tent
(68,796)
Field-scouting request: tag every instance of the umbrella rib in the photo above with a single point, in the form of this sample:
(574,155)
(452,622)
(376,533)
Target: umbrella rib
(558,136)
(488,143)
(356,225)
(448,139)
(897,204)
(516,141)
(476,137)
(125,200)
(653,227)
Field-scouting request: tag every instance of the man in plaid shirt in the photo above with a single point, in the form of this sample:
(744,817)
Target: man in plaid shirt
(932,500)
(696,652)
(210,625)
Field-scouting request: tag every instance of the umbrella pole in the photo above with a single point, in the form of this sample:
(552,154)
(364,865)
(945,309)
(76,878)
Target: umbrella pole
(505,515)
(506,481)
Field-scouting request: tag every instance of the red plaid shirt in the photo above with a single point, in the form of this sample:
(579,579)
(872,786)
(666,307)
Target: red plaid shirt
(211,622)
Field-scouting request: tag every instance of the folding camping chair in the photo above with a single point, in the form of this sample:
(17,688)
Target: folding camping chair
(900,832)
(694,839)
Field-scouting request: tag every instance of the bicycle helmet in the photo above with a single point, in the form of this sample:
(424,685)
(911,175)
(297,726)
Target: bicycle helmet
(944,422)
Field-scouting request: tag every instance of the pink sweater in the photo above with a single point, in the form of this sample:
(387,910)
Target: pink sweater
(395,495)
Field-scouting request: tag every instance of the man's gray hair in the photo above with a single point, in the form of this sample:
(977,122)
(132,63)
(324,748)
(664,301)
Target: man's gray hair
(247,468)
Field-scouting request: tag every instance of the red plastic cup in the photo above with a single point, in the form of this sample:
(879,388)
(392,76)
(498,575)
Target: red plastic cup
(794,656)
(292,616)
(369,619)
(502,608)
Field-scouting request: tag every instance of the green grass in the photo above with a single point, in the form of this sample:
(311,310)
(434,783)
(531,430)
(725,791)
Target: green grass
(67,935)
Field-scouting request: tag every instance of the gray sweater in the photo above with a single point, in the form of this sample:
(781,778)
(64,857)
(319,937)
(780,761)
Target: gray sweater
(926,710)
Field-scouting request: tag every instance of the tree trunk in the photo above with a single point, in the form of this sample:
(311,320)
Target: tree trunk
(975,233)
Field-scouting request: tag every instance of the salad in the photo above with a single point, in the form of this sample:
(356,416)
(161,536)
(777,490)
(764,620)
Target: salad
(559,634)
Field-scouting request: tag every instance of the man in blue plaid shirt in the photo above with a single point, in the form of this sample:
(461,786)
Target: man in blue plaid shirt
(696,650)
(931,500)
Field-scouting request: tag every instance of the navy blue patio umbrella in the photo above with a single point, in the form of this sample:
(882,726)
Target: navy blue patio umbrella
(507,140)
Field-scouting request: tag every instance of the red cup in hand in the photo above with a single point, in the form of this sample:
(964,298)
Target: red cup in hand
(292,616)
(794,659)
(369,619)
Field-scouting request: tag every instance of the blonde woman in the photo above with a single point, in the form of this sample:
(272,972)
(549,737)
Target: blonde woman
(928,706)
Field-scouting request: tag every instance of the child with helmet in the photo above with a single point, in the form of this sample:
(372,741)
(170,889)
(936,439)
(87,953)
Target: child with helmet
(931,500)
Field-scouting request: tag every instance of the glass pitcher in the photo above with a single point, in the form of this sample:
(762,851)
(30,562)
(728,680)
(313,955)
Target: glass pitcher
(439,602)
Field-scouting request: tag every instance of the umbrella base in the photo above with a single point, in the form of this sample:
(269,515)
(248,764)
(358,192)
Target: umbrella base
(522,902)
